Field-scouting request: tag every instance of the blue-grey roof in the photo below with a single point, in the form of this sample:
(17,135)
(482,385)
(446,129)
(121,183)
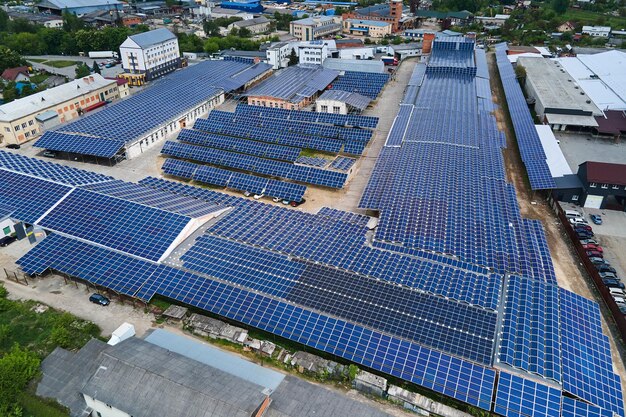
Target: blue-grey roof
(568,181)
(152,37)
(216,358)
(370,22)
(312,20)
(360,65)
(352,99)
(74,4)
(295,83)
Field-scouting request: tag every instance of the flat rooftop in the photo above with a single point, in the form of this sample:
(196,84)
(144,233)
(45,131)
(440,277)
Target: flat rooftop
(555,88)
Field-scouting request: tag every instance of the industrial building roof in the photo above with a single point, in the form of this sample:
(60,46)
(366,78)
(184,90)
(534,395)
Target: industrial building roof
(360,65)
(251,22)
(555,89)
(369,22)
(312,21)
(352,99)
(152,37)
(295,83)
(73,4)
(554,156)
(51,97)
(613,122)
(601,76)
(605,173)
(144,379)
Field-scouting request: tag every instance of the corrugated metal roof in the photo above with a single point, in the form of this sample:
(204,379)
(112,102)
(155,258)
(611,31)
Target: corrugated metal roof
(352,99)
(74,4)
(295,83)
(152,37)
(605,173)
(360,65)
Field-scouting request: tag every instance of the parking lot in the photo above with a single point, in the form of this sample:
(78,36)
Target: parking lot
(580,147)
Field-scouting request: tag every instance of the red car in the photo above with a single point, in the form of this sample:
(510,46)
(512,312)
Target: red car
(594,254)
(581,226)
(591,246)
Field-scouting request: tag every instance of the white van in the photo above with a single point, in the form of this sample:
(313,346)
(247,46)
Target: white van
(616,292)
(572,213)
(577,220)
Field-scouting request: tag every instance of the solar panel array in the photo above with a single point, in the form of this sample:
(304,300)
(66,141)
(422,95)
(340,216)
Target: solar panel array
(81,144)
(368,84)
(235,180)
(49,170)
(342,163)
(528,141)
(172,96)
(305,174)
(314,162)
(452,291)
(250,147)
(126,226)
(308,116)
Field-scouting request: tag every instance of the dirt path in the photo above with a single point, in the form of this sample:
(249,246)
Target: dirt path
(569,272)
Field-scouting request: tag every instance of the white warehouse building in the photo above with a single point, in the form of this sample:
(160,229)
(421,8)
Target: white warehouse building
(149,55)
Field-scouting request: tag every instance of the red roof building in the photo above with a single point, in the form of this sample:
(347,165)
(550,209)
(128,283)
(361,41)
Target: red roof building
(13,74)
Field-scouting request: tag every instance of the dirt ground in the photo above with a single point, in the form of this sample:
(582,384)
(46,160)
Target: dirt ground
(569,272)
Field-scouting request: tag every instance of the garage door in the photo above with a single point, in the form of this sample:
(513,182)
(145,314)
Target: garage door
(594,201)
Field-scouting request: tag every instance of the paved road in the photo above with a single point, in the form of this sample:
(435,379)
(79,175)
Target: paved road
(69,72)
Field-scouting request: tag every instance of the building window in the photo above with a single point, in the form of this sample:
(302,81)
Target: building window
(8,129)
(605,186)
(324,109)
(30,123)
(575,197)
(24,125)
(616,187)
(592,185)
(336,109)
(17,127)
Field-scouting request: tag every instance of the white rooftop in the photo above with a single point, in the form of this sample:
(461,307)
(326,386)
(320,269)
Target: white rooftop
(602,76)
(554,156)
(596,28)
(51,97)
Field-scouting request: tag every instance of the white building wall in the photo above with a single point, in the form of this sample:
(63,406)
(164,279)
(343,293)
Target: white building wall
(169,129)
(101,409)
(353,53)
(331,106)
(312,55)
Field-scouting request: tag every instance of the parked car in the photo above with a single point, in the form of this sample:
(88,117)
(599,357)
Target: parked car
(588,241)
(617,291)
(594,254)
(99,299)
(605,268)
(297,203)
(591,246)
(622,308)
(598,261)
(13,146)
(596,218)
(577,220)
(613,283)
(583,234)
(582,226)
(610,275)
(49,154)
(7,240)
(247,193)
(276,199)
(259,196)
(618,299)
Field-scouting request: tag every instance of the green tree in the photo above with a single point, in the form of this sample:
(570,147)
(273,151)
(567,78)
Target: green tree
(211,47)
(71,22)
(27,90)
(9,93)
(82,70)
(293,58)
(16,368)
(9,58)
(396,41)
(95,68)
(4,21)
(559,6)
(245,32)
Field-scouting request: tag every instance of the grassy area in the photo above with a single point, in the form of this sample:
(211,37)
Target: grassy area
(594,18)
(38,60)
(39,78)
(33,406)
(33,329)
(61,63)
(312,153)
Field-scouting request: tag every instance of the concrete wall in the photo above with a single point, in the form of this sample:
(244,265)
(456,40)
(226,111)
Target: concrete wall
(329,106)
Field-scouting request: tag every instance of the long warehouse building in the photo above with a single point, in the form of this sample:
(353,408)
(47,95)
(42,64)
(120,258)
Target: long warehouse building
(452,291)
(130,127)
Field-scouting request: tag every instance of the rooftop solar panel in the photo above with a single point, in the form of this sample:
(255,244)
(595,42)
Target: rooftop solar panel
(80,144)
(115,223)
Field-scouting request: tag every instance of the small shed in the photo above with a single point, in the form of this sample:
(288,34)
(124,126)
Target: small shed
(341,102)
(175,313)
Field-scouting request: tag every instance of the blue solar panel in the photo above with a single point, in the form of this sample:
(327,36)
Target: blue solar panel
(115,223)
(85,145)
(528,140)
(310,175)
(168,201)
(346,216)
(308,116)
(364,83)
(121,273)
(400,124)
(314,162)
(342,163)
(49,170)
(587,365)
(27,197)
(519,397)
(265,150)
(576,408)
